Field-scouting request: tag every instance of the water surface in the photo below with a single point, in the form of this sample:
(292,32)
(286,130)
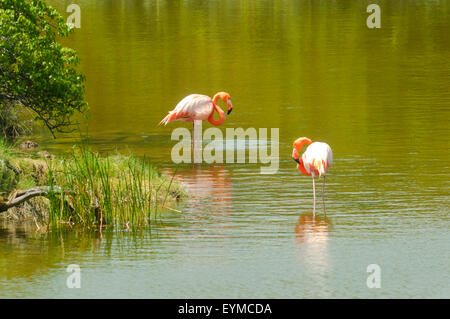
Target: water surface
(379,98)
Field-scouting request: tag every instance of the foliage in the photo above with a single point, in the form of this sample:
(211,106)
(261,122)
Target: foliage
(35,70)
(98,190)
(109,190)
(8,179)
(12,123)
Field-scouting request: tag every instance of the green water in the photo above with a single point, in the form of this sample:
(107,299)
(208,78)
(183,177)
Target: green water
(379,97)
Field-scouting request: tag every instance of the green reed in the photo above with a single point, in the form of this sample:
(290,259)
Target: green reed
(107,190)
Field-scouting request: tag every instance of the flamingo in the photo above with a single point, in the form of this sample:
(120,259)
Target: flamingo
(316,160)
(199,107)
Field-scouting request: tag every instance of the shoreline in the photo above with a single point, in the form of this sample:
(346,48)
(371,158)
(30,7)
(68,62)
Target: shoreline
(82,187)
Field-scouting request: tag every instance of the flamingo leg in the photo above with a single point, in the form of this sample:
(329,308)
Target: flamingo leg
(193,139)
(197,142)
(314,193)
(323,198)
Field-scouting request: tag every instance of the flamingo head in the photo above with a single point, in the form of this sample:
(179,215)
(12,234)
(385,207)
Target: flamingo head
(297,147)
(295,156)
(227,99)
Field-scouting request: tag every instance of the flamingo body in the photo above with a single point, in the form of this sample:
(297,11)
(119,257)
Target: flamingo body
(316,160)
(192,108)
(199,107)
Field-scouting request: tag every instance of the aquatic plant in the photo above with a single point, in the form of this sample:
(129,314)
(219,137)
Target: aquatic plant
(106,190)
(84,188)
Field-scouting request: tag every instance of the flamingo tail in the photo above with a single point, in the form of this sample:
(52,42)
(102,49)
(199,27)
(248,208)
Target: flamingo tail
(320,167)
(169,118)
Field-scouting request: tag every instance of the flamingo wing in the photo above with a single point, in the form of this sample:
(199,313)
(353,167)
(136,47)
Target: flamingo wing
(317,158)
(192,107)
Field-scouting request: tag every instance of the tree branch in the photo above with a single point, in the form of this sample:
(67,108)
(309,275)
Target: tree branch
(24,195)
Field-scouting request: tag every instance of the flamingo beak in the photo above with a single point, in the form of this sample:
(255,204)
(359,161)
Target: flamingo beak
(230,107)
(295,156)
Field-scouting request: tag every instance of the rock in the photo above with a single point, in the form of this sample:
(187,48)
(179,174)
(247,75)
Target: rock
(39,170)
(36,208)
(45,154)
(28,145)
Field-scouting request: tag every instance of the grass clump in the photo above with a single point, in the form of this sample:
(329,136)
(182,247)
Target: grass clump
(92,190)
(8,176)
(19,169)
(12,123)
(108,190)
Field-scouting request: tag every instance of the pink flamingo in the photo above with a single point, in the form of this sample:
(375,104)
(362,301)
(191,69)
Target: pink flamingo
(198,107)
(316,160)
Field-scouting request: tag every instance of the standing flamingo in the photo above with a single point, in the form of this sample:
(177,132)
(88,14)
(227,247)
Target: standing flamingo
(314,161)
(198,107)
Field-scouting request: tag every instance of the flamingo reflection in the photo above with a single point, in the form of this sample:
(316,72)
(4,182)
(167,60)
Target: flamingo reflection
(311,229)
(210,188)
(207,210)
(311,238)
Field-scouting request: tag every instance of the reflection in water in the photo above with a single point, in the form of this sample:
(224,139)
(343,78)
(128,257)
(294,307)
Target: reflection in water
(312,229)
(207,185)
(206,214)
(27,251)
(311,238)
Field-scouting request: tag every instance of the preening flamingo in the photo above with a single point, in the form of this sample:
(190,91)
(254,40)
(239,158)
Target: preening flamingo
(198,107)
(316,160)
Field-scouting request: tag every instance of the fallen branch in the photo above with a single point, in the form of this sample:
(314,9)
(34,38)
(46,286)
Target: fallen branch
(172,209)
(24,195)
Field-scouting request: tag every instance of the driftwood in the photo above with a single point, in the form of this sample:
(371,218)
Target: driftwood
(23,195)
(172,209)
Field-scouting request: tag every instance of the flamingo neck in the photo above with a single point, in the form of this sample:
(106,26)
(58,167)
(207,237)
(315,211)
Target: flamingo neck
(302,168)
(298,145)
(211,118)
